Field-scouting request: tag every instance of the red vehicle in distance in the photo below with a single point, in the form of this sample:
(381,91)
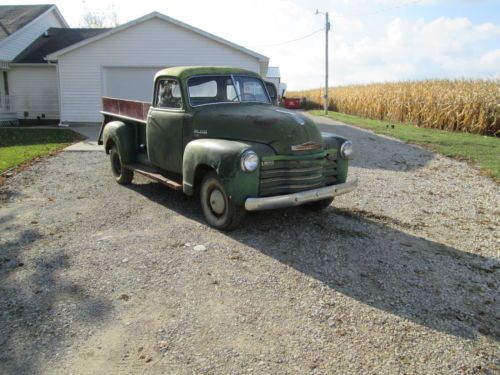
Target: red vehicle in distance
(291,103)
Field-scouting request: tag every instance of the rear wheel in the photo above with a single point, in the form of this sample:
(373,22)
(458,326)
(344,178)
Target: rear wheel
(122,175)
(318,205)
(219,211)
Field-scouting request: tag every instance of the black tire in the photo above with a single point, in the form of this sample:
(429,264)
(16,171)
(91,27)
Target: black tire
(221,212)
(122,175)
(318,205)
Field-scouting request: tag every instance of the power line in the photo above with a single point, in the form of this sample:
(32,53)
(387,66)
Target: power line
(403,5)
(290,41)
(317,31)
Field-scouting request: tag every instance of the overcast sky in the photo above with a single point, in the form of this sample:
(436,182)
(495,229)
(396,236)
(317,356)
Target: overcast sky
(370,40)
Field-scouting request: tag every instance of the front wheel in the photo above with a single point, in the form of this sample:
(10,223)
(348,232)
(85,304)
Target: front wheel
(219,211)
(122,175)
(318,205)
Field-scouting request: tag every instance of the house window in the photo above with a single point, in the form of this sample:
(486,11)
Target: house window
(169,94)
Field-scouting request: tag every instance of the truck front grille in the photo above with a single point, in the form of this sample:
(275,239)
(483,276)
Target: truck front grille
(292,176)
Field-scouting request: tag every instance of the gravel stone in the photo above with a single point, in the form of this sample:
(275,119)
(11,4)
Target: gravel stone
(400,276)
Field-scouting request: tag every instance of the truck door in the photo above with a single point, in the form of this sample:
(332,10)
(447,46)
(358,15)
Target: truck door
(164,127)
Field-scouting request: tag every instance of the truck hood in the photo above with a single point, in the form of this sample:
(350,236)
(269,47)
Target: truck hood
(277,127)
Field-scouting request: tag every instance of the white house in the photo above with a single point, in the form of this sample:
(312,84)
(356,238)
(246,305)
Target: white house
(273,75)
(63,72)
(20,25)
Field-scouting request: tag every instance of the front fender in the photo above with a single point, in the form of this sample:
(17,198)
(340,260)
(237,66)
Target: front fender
(332,147)
(223,156)
(123,136)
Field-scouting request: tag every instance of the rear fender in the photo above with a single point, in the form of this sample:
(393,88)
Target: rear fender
(123,136)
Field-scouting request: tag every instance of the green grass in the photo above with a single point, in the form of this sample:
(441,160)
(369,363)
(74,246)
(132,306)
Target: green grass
(21,145)
(483,150)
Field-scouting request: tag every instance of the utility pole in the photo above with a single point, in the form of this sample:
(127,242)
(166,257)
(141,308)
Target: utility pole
(327,29)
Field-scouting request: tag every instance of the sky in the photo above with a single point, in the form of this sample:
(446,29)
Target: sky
(369,41)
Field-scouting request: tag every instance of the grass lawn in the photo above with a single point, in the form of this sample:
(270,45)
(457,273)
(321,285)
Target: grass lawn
(485,151)
(20,145)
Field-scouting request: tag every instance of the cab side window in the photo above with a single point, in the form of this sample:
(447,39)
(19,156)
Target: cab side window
(169,94)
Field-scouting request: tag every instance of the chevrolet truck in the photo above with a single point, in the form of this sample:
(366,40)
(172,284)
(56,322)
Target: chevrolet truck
(214,132)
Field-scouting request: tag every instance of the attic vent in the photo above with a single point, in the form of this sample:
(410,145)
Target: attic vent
(46,34)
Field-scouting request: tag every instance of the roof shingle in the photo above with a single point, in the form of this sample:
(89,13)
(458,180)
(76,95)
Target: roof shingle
(15,17)
(54,39)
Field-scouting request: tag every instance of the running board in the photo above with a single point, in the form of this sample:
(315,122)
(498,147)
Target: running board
(154,175)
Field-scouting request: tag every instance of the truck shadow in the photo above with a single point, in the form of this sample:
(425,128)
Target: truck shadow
(373,260)
(372,151)
(38,305)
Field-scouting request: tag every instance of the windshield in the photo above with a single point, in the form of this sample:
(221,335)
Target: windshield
(226,89)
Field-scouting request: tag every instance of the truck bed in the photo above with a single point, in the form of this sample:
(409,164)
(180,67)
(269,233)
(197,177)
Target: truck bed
(126,109)
(123,109)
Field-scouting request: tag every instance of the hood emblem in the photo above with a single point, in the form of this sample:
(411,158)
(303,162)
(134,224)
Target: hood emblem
(308,146)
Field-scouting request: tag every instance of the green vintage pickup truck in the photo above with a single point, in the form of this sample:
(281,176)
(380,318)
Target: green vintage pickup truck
(213,131)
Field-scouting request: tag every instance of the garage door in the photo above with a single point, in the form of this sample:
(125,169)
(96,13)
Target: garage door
(129,82)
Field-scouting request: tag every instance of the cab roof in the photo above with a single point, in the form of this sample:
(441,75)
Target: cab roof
(184,72)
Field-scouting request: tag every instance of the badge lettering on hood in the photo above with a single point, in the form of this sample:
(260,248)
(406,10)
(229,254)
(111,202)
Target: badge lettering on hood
(198,132)
(298,119)
(308,146)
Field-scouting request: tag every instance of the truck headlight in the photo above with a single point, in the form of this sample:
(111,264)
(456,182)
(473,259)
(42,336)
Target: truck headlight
(346,149)
(249,161)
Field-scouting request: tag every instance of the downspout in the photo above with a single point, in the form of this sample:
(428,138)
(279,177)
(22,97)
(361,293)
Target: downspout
(4,91)
(55,62)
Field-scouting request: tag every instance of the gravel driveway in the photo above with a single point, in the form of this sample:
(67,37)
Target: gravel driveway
(401,276)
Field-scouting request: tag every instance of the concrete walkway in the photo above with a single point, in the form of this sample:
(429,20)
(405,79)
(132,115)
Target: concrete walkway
(89,144)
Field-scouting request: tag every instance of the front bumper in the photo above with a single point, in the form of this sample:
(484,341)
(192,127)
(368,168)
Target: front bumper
(296,199)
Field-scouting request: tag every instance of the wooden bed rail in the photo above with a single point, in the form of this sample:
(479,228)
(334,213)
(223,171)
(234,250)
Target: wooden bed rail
(126,108)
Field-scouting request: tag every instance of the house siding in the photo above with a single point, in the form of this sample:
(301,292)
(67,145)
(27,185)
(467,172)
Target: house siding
(276,82)
(17,42)
(33,89)
(152,43)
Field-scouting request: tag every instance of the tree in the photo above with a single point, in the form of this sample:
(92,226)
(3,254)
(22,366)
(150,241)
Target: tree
(100,18)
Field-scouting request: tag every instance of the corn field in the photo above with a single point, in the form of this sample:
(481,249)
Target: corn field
(457,105)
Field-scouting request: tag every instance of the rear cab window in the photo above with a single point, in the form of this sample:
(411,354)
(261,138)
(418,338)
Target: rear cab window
(168,94)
